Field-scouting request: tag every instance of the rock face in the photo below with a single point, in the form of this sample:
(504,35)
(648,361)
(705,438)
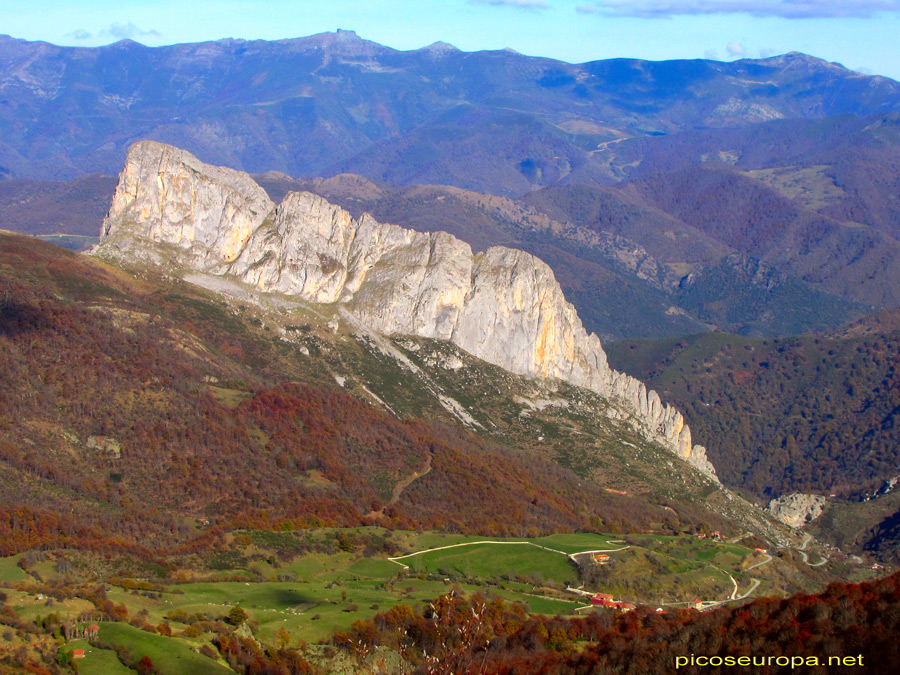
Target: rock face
(797,509)
(207,211)
(503,305)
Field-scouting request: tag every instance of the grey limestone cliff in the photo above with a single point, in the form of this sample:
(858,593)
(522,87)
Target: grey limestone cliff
(797,509)
(502,305)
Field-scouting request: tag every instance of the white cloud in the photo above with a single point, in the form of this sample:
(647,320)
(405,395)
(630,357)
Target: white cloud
(517,4)
(128,31)
(787,9)
(116,31)
(711,55)
(79,34)
(735,50)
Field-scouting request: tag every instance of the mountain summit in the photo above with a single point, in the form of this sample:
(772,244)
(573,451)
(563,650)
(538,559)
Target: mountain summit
(502,305)
(495,121)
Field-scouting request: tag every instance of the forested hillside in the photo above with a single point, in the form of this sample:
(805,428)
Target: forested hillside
(138,407)
(792,414)
(854,625)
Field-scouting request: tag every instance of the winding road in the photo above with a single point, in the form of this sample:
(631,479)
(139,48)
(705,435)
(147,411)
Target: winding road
(767,560)
(802,552)
(754,583)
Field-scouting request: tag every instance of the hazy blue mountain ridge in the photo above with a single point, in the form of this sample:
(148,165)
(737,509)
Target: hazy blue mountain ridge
(311,105)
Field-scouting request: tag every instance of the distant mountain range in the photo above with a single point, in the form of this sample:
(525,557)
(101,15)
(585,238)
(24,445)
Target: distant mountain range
(757,196)
(494,121)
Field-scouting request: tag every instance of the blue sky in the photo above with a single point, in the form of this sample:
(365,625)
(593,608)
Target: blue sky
(861,34)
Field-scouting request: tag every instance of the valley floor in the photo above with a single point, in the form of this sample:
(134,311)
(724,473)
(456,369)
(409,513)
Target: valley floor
(296,600)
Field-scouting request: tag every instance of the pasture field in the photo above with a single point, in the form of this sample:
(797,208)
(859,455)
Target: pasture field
(568,543)
(311,611)
(29,606)
(330,591)
(97,661)
(284,586)
(170,656)
(10,572)
(488,561)
(585,541)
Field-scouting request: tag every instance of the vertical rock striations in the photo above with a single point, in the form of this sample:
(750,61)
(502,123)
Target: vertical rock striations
(168,196)
(503,306)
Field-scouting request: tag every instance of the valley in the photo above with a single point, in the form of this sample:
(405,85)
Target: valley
(342,576)
(547,461)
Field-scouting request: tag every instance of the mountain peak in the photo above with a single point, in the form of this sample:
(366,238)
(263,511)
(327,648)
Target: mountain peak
(503,306)
(800,60)
(341,35)
(439,48)
(341,42)
(124,43)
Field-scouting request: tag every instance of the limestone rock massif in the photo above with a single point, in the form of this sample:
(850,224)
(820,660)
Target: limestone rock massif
(797,509)
(502,305)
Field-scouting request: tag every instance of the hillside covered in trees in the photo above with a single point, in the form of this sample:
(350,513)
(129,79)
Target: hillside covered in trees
(135,408)
(846,625)
(811,413)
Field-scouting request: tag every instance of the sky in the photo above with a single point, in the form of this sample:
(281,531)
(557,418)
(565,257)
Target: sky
(860,34)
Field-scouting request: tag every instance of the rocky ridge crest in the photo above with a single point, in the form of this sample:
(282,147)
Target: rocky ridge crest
(502,305)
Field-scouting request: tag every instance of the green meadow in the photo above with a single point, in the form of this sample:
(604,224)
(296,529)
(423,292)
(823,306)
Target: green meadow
(97,661)
(10,572)
(306,597)
(168,655)
(489,561)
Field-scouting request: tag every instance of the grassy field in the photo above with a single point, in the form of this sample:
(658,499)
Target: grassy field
(574,543)
(661,569)
(310,610)
(569,543)
(170,656)
(329,591)
(489,561)
(97,661)
(29,607)
(10,572)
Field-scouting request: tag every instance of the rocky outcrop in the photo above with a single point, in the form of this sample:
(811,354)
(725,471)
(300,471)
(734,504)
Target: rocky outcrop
(105,445)
(503,305)
(169,196)
(797,509)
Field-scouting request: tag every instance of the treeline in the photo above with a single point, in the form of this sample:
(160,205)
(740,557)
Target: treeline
(247,656)
(488,636)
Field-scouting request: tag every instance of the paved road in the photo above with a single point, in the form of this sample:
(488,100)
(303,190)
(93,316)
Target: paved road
(756,583)
(397,559)
(767,560)
(802,552)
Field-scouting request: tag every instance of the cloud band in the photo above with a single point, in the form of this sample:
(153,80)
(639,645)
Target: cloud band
(786,9)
